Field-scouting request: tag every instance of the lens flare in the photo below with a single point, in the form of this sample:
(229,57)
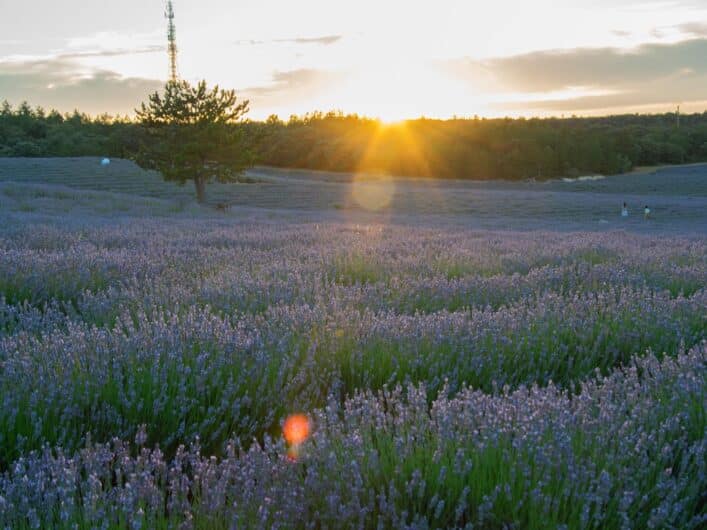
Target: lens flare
(373,194)
(296,429)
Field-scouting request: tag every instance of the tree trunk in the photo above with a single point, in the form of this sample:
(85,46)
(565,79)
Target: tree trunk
(200,187)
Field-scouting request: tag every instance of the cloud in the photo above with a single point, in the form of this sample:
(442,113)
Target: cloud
(112,40)
(599,67)
(294,81)
(326,40)
(684,87)
(294,88)
(250,42)
(111,53)
(71,55)
(694,29)
(657,33)
(65,85)
(586,79)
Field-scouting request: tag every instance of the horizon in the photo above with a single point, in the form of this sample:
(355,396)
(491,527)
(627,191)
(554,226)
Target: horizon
(588,58)
(337,113)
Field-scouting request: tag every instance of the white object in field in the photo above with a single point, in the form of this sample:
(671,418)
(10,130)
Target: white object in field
(603,222)
(105,162)
(624,212)
(584,178)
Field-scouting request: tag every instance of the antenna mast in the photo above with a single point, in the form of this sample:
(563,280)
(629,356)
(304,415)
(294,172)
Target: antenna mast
(172,42)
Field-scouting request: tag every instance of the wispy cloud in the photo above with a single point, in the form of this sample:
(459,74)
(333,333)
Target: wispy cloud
(325,40)
(113,40)
(82,54)
(294,88)
(112,53)
(295,81)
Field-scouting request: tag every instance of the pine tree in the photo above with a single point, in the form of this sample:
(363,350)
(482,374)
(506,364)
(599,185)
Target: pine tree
(192,133)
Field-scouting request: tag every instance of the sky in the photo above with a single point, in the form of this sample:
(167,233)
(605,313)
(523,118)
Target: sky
(391,59)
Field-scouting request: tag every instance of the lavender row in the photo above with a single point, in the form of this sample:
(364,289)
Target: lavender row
(626,451)
(191,372)
(96,274)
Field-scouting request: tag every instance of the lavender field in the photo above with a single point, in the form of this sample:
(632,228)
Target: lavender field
(150,352)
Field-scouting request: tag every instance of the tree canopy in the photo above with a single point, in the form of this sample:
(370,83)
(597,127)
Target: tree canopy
(191,133)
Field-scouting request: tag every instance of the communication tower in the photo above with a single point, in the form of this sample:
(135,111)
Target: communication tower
(172,41)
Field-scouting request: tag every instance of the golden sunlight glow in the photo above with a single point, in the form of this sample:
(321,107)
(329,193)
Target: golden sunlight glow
(372,187)
(406,90)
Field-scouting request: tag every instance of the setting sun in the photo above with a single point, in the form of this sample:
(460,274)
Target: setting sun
(406,90)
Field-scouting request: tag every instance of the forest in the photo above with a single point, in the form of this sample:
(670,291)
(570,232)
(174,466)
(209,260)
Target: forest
(463,148)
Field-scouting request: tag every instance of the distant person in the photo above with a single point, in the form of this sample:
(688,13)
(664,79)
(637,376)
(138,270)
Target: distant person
(624,210)
(646,212)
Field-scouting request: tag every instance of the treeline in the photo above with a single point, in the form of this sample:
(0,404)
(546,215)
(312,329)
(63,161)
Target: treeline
(485,148)
(457,148)
(33,132)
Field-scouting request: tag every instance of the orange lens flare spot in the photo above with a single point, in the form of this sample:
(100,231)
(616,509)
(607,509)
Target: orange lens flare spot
(296,429)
